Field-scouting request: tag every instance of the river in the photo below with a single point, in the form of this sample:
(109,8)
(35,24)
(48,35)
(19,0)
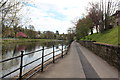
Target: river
(12,50)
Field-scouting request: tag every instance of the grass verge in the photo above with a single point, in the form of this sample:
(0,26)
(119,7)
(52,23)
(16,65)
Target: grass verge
(26,40)
(110,36)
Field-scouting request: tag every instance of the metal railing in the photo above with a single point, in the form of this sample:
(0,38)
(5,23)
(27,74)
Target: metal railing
(42,65)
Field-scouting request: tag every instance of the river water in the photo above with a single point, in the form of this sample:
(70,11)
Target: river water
(12,50)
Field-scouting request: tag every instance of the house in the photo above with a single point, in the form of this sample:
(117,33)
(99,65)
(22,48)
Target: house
(117,17)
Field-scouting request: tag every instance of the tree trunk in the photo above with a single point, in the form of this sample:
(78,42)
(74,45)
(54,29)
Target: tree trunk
(97,28)
(91,31)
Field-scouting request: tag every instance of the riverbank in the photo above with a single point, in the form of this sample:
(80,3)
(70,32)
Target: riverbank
(10,41)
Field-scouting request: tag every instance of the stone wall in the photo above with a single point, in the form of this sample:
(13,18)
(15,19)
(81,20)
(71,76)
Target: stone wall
(109,53)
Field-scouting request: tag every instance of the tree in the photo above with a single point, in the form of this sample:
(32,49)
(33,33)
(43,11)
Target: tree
(83,27)
(39,32)
(71,34)
(109,9)
(57,35)
(94,14)
(89,23)
(31,33)
(57,32)
(21,34)
(9,11)
(101,13)
(48,35)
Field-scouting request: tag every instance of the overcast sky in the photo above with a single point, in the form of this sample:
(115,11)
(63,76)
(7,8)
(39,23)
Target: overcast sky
(54,14)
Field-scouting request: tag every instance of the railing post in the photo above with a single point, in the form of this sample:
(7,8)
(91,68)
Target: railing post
(62,51)
(53,55)
(66,49)
(42,59)
(21,63)
(68,46)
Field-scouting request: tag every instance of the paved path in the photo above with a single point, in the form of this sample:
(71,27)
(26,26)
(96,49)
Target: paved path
(79,63)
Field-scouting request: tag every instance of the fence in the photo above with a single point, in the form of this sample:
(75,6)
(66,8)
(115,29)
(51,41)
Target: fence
(42,64)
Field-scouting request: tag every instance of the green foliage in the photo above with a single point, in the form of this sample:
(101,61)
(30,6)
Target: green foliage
(109,36)
(83,27)
(10,32)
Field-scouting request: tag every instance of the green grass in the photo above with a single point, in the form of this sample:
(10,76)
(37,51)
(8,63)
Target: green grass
(109,37)
(26,40)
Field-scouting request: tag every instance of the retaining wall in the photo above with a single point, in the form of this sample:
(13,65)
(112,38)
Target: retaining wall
(109,53)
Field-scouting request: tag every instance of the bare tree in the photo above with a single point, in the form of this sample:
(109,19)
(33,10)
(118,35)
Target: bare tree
(9,13)
(110,8)
(94,13)
(101,13)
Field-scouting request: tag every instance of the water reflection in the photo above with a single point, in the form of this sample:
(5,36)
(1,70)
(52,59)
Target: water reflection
(12,50)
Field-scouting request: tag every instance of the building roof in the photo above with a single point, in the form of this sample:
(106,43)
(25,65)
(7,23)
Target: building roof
(117,12)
